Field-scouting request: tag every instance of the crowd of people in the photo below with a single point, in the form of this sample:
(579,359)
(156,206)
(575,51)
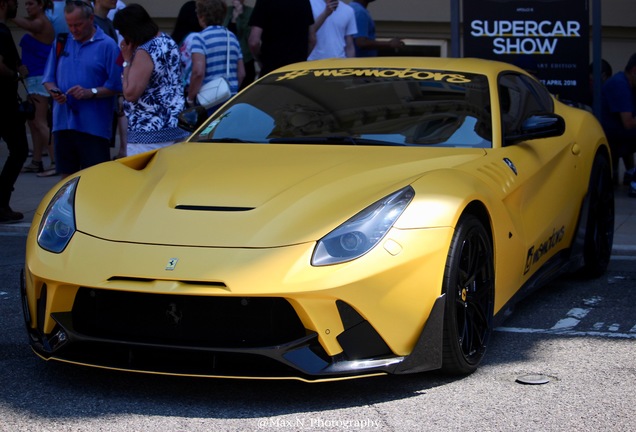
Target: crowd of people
(97,70)
(101,69)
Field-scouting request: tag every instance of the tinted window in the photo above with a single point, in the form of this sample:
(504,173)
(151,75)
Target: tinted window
(519,98)
(359,106)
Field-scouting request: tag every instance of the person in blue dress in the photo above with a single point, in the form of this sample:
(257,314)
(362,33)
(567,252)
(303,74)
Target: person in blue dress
(36,46)
(153,94)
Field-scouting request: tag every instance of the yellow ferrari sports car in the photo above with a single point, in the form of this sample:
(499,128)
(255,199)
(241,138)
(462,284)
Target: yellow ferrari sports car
(336,219)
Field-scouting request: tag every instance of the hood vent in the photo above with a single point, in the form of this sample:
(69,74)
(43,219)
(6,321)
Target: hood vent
(213,208)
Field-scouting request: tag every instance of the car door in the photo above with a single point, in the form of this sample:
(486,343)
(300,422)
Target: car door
(544,167)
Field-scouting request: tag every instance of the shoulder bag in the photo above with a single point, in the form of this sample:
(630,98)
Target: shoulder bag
(26,107)
(217,90)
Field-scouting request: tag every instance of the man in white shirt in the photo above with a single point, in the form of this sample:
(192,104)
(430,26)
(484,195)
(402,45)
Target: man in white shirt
(335,26)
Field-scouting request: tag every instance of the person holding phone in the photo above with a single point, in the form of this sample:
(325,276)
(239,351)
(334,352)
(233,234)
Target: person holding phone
(82,83)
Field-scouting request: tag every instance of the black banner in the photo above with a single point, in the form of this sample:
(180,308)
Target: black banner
(549,38)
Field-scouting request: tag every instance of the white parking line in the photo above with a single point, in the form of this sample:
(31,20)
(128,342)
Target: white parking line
(613,335)
(565,326)
(574,317)
(598,326)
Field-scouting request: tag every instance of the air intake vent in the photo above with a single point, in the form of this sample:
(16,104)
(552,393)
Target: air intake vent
(151,280)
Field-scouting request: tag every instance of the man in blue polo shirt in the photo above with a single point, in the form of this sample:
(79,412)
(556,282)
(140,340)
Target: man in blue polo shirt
(82,82)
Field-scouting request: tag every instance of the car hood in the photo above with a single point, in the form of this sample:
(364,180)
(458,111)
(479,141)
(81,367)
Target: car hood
(245,195)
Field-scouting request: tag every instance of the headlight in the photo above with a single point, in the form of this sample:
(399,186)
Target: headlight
(58,223)
(362,232)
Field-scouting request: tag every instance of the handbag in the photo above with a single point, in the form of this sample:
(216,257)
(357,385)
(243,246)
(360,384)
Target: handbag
(217,90)
(26,107)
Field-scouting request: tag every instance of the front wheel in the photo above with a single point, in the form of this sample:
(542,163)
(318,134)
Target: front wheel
(469,285)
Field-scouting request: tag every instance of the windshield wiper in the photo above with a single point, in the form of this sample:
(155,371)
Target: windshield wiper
(225,140)
(331,140)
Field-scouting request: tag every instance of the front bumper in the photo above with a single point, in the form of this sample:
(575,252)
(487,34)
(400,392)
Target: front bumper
(152,351)
(316,324)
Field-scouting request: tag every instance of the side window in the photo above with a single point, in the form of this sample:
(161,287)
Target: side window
(543,97)
(519,98)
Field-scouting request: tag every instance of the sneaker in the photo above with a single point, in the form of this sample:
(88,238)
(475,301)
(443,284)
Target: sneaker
(9,216)
(49,172)
(33,167)
(632,189)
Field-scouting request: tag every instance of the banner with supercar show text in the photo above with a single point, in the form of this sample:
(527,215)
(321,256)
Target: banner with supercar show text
(549,38)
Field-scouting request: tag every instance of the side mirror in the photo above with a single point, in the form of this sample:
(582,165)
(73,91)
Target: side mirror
(190,119)
(538,126)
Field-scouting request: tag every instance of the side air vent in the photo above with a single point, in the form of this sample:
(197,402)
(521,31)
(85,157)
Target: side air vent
(502,174)
(213,208)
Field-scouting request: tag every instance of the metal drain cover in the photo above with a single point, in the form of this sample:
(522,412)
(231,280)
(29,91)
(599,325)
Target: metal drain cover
(533,379)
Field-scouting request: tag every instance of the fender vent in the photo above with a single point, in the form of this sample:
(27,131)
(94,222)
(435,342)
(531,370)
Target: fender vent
(501,174)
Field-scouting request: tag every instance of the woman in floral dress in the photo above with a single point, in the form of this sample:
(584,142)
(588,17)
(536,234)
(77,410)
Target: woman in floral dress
(151,81)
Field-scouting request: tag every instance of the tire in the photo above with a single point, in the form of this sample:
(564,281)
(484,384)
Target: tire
(469,285)
(599,226)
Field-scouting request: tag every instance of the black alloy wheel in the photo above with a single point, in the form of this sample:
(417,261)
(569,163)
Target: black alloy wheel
(469,287)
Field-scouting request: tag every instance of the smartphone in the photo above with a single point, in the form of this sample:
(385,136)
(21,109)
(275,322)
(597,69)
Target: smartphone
(56,91)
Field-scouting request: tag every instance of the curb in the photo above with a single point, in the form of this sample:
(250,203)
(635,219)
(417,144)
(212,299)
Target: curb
(19,228)
(623,250)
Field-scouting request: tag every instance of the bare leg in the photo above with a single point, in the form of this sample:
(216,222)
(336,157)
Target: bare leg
(39,129)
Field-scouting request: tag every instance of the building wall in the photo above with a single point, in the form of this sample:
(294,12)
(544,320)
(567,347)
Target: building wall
(429,20)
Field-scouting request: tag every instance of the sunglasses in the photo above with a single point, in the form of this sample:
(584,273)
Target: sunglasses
(80,3)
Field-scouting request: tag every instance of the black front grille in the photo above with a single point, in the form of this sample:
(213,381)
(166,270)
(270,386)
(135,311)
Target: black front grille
(173,361)
(180,320)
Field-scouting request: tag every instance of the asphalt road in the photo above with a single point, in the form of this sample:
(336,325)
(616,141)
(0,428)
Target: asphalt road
(578,335)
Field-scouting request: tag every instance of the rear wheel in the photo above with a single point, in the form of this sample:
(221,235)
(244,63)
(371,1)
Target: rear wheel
(599,228)
(469,287)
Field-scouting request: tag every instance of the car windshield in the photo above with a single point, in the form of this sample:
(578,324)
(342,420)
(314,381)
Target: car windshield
(404,107)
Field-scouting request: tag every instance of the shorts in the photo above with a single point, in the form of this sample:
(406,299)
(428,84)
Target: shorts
(34,86)
(75,150)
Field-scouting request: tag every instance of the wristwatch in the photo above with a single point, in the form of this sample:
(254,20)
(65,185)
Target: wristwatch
(125,64)
(94,91)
